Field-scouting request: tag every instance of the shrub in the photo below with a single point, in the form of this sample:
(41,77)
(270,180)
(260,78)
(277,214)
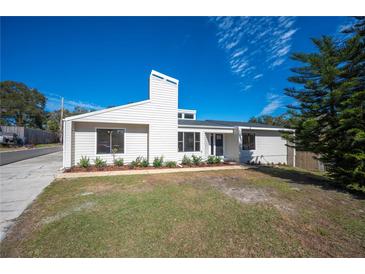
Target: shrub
(144,162)
(170,164)
(212,160)
(186,160)
(158,161)
(197,160)
(119,162)
(137,162)
(99,163)
(217,160)
(84,162)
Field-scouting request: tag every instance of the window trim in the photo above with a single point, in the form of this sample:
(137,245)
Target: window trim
(111,128)
(183,139)
(254,140)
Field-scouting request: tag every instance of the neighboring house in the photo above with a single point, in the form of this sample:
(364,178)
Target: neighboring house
(156,127)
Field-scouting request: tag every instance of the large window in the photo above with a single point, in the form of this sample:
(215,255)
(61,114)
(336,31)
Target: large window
(188,141)
(109,141)
(248,141)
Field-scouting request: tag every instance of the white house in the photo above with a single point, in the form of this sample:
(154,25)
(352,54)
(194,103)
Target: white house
(156,127)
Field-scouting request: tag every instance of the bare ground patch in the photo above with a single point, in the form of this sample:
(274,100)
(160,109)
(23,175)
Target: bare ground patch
(61,215)
(235,187)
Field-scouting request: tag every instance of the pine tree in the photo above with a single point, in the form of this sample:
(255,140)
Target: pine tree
(329,115)
(350,168)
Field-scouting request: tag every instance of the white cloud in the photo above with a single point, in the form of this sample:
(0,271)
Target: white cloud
(258,76)
(254,40)
(275,102)
(247,87)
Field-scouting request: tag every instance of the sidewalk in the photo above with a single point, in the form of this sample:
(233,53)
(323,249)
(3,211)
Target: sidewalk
(145,171)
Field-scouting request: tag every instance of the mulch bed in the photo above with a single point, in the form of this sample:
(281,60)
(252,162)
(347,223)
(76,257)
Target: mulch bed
(127,167)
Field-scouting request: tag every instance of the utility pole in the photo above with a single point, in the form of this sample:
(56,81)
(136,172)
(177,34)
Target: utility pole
(61,122)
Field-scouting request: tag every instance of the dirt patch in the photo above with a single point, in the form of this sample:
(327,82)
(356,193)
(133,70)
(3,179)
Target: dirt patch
(64,214)
(234,187)
(98,188)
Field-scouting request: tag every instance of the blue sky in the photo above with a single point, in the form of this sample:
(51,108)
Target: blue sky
(229,68)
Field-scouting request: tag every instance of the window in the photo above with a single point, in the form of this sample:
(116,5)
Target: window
(212,144)
(179,115)
(109,140)
(248,141)
(188,141)
(197,141)
(188,116)
(180,141)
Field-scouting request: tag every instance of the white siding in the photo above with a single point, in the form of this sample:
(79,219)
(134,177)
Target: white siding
(270,148)
(135,142)
(159,113)
(152,127)
(67,144)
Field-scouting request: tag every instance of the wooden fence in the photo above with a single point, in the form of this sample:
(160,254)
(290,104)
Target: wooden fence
(307,160)
(32,135)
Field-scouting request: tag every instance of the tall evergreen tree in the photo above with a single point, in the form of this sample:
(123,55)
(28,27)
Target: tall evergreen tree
(351,166)
(329,114)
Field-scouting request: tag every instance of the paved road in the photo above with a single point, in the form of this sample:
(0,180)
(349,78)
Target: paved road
(22,182)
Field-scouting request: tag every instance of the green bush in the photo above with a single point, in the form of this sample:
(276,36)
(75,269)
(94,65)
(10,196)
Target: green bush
(119,162)
(99,163)
(137,162)
(186,160)
(217,160)
(197,160)
(84,162)
(144,162)
(212,160)
(170,164)
(158,161)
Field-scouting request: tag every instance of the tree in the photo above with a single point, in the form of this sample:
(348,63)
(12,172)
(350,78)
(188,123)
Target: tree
(79,110)
(21,105)
(351,161)
(329,114)
(281,120)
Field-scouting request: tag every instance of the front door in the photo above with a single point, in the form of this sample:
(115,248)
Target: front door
(219,144)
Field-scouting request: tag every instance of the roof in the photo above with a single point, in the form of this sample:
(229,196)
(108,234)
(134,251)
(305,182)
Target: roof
(96,112)
(225,124)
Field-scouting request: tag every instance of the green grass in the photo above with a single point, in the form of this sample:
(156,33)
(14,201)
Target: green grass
(189,215)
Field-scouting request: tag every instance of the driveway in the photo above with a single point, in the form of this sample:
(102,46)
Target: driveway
(22,182)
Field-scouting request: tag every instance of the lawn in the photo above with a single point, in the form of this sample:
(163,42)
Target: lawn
(264,212)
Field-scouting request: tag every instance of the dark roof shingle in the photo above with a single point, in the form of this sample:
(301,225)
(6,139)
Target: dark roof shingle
(218,123)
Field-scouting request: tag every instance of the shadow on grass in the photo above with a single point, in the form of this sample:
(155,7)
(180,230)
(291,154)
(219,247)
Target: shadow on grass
(308,178)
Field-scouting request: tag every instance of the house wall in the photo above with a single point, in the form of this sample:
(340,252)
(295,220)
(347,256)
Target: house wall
(135,142)
(67,144)
(270,147)
(159,113)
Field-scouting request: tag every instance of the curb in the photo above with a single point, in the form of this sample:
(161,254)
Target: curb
(143,172)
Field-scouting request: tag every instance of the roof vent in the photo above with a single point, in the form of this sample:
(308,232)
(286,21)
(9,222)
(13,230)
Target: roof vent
(157,76)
